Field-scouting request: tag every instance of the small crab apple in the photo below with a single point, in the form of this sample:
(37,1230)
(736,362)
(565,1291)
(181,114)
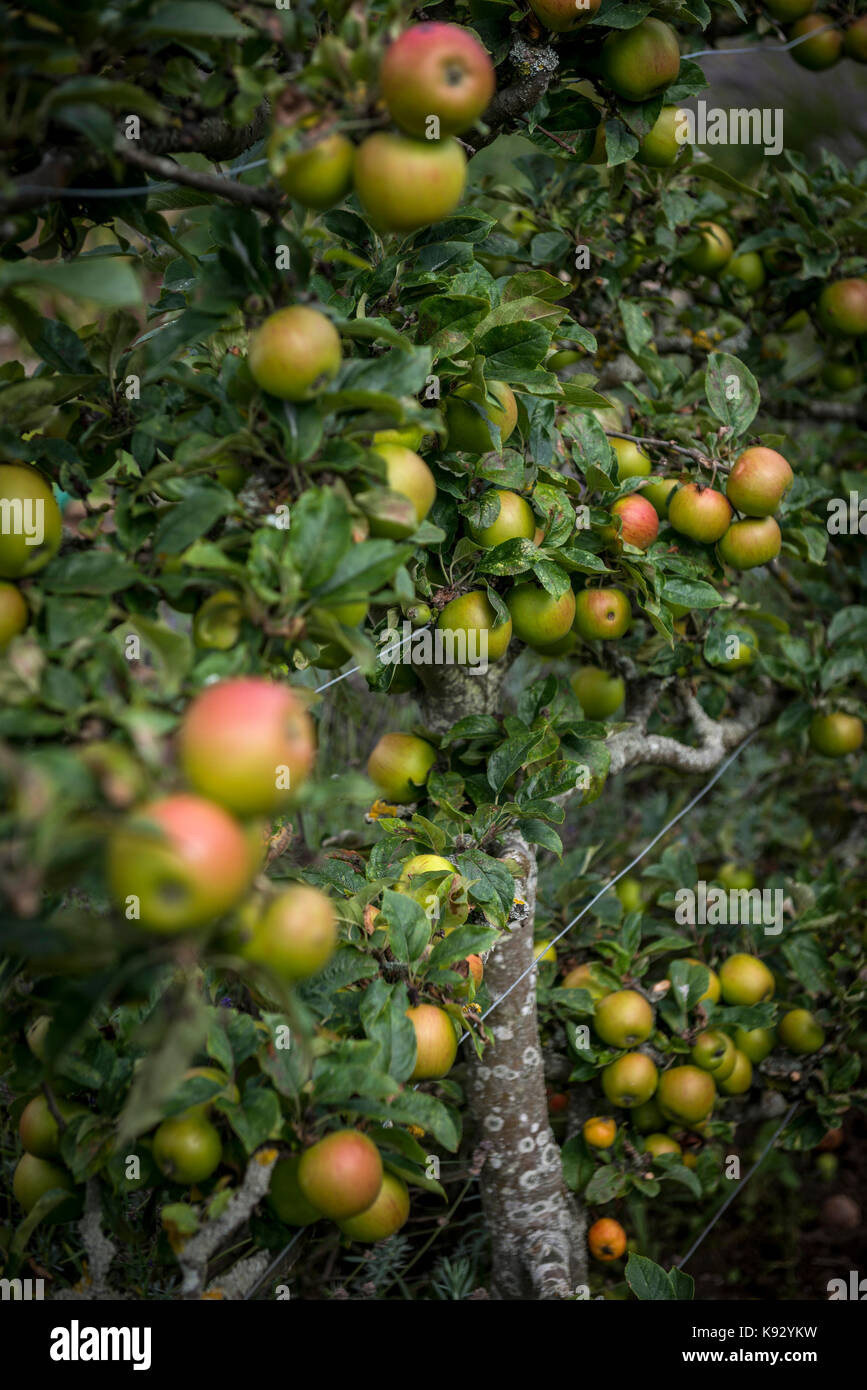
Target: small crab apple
(600,1131)
(606,1240)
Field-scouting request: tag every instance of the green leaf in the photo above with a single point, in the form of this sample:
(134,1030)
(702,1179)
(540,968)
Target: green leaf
(648,1281)
(106,280)
(732,392)
(191,519)
(194,19)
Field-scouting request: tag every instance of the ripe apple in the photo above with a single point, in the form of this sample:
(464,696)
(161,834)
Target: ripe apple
(341,1174)
(747,544)
(470,415)
(740,1079)
(563,15)
(33,1177)
(404,184)
(639,523)
(446,915)
(296,935)
(185,859)
(632,460)
(660,147)
(758,481)
(409,475)
(842,306)
(187,1148)
(473,612)
(658,493)
(13,613)
(390,1209)
(600,693)
(285,1197)
(436,1042)
(602,613)
(713,252)
(699,512)
(514,521)
(436,70)
(788,10)
(400,765)
(855,40)
(713,989)
(248,744)
(641,62)
(38,1130)
(33,516)
(295,353)
(749,268)
(800,1032)
(583,977)
(821,52)
(631,1080)
(836,734)
(537,617)
(317,176)
(606,1239)
(714,1051)
(600,1132)
(686,1093)
(647,1117)
(623,1019)
(745,980)
(656,1144)
(755,1043)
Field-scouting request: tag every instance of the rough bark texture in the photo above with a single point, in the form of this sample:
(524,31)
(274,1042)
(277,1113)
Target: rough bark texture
(536,1230)
(451,693)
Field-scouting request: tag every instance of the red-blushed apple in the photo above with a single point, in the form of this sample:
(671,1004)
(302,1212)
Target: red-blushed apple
(386,1214)
(602,613)
(32,524)
(341,1175)
(295,353)
(436,1042)
(248,744)
(639,523)
(437,70)
(699,512)
(400,765)
(296,934)
(600,1131)
(606,1240)
(842,308)
(185,860)
(749,543)
(404,184)
(561,16)
(758,481)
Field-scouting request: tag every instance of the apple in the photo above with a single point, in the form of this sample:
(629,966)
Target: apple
(341,1175)
(436,1042)
(187,1148)
(583,977)
(745,980)
(36,1035)
(409,475)
(537,617)
(32,525)
(731,876)
(600,693)
(656,1144)
(755,1043)
(836,734)
(319,174)
(686,1093)
(660,147)
(640,62)
(758,481)
(740,1079)
(606,1240)
(747,544)
(390,1209)
(745,653)
(639,523)
(248,744)
(185,860)
(217,622)
(749,268)
(658,493)
(602,613)
(38,1130)
(295,353)
(400,765)
(514,521)
(544,951)
(788,10)
(855,40)
(600,1132)
(446,914)
(713,989)
(347,614)
(563,15)
(841,376)
(285,1197)
(563,647)
(623,1019)
(632,460)
(799,1032)
(470,416)
(842,307)
(436,70)
(474,612)
(818,53)
(296,935)
(33,1177)
(14,613)
(629,892)
(404,184)
(699,512)
(648,1117)
(714,1051)
(631,1080)
(713,251)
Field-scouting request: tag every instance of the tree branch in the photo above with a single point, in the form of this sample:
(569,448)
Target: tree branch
(193,1258)
(266,198)
(635,745)
(535,68)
